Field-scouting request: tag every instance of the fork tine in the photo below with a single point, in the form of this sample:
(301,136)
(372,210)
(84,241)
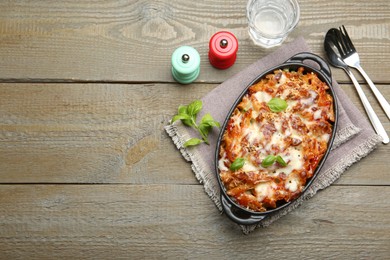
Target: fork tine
(341,45)
(348,40)
(338,46)
(343,40)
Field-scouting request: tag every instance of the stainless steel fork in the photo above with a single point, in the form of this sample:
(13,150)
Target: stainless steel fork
(351,58)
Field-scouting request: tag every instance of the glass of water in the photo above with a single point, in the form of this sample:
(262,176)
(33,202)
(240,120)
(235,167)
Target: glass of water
(270,21)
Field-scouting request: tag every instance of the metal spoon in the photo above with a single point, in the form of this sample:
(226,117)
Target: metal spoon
(335,59)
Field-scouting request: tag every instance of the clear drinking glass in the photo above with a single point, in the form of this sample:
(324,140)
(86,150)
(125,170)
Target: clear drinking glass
(270,21)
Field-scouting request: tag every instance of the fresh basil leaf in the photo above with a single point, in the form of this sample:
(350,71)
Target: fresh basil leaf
(204,128)
(194,108)
(268,161)
(280,160)
(277,105)
(192,142)
(187,122)
(237,164)
(208,119)
(206,124)
(180,117)
(214,123)
(182,109)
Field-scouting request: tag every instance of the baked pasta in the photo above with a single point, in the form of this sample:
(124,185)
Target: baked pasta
(275,139)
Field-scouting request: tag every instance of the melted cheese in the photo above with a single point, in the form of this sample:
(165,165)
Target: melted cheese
(221,163)
(295,159)
(292,184)
(283,79)
(253,133)
(317,114)
(265,189)
(263,96)
(310,100)
(249,167)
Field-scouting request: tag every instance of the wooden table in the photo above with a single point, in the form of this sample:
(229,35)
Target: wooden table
(86,169)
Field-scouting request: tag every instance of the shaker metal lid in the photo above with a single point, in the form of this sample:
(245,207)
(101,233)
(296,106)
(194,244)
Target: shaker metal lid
(185,64)
(223,48)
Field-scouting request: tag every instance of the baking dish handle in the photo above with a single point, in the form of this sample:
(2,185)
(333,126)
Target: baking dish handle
(324,67)
(238,215)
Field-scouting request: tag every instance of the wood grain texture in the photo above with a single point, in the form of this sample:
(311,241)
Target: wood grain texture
(117,40)
(151,221)
(113,133)
(87,170)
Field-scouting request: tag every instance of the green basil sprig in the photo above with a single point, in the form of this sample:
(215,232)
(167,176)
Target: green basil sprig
(277,105)
(237,164)
(188,115)
(271,159)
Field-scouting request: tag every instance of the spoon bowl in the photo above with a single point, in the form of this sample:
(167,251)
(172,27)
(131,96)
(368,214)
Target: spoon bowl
(332,52)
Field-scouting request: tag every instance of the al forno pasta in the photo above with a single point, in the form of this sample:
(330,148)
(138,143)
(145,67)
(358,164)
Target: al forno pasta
(275,138)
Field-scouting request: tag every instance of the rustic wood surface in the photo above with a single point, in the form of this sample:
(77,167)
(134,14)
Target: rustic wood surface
(87,171)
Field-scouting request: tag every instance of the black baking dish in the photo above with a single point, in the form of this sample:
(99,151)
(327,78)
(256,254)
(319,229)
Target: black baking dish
(234,211)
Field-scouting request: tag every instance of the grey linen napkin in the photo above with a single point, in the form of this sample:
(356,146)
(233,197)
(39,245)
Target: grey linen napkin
(355,137)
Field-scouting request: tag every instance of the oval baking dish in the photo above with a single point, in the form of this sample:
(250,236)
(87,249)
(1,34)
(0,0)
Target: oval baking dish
(244,215)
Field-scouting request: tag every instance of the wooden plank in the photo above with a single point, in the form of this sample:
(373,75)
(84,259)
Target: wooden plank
(90,133)
(134,40)
(376,161)
(113,133)
(167,221)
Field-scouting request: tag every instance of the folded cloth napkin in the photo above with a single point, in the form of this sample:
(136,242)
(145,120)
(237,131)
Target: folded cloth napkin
(355,137)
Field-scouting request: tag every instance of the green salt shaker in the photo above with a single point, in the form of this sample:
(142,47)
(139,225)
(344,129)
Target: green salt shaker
(185,64)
